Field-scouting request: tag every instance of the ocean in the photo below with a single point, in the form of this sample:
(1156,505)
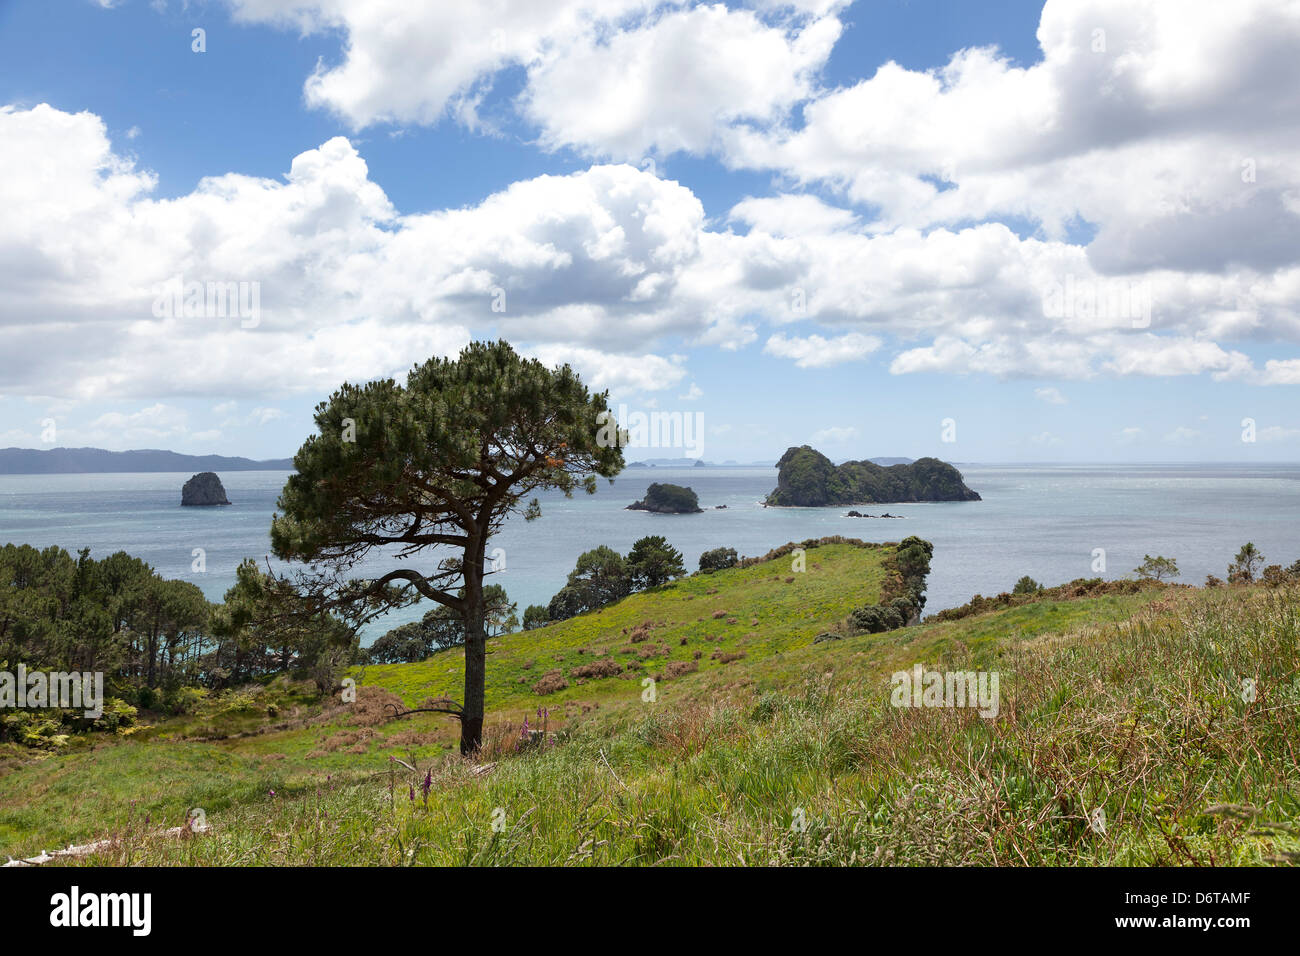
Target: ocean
(1046,521)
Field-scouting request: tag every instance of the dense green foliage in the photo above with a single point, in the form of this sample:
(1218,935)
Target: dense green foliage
(602,576)
(717,559)
(909,566)
(653,562)
(413,642)
(1026,585)
(668,499)
(807,478)
(875,618)
(114,615)
(154,639)
(903,596)
(535,616)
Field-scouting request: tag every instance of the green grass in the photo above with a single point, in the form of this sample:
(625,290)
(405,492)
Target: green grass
(233,752)
(1126,703)
(768,616)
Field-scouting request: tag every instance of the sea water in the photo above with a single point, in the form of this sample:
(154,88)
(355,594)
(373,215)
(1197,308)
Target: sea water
(1052,522)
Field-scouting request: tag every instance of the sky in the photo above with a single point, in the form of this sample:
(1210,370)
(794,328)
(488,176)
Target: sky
(986,232)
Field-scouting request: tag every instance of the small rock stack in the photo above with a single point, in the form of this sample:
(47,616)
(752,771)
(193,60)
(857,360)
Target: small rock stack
(204,489)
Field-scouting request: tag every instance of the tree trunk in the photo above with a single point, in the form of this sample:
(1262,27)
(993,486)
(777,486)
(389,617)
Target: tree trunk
(471,721)
(152,650)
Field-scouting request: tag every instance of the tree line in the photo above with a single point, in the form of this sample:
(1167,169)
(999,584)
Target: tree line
(152,636)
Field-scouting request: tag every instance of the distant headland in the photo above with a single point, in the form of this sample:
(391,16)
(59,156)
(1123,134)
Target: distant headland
(807,478)
(59,461)
(204,489)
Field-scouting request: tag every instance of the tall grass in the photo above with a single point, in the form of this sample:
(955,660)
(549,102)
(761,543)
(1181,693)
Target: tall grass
(1143,720)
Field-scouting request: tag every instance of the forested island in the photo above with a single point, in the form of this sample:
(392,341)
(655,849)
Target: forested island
(807,478)
(667,499)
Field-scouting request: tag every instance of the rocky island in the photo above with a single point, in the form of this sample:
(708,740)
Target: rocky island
(807,478)
(668,500)
(204,489)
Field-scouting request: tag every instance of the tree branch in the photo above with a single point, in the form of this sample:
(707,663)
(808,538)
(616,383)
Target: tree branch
(455,710)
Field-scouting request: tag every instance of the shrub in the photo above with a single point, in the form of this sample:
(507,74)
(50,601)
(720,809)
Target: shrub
(405,644)
(678,668)
(605,667)
(904,607)
(1026,585)
(568,602)
(876,618)
(869,619)
(118,715)
(39,729)
(551,682)
(726,657)
(909,565)
(535,616)
(718,559)
(185,700)
(1274,576)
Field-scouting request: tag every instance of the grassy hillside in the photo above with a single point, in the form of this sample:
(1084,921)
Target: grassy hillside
(757,611)
(1126,703)
(247,745)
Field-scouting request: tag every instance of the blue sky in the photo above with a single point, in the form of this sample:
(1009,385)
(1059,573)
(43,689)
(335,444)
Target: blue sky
(652,186)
